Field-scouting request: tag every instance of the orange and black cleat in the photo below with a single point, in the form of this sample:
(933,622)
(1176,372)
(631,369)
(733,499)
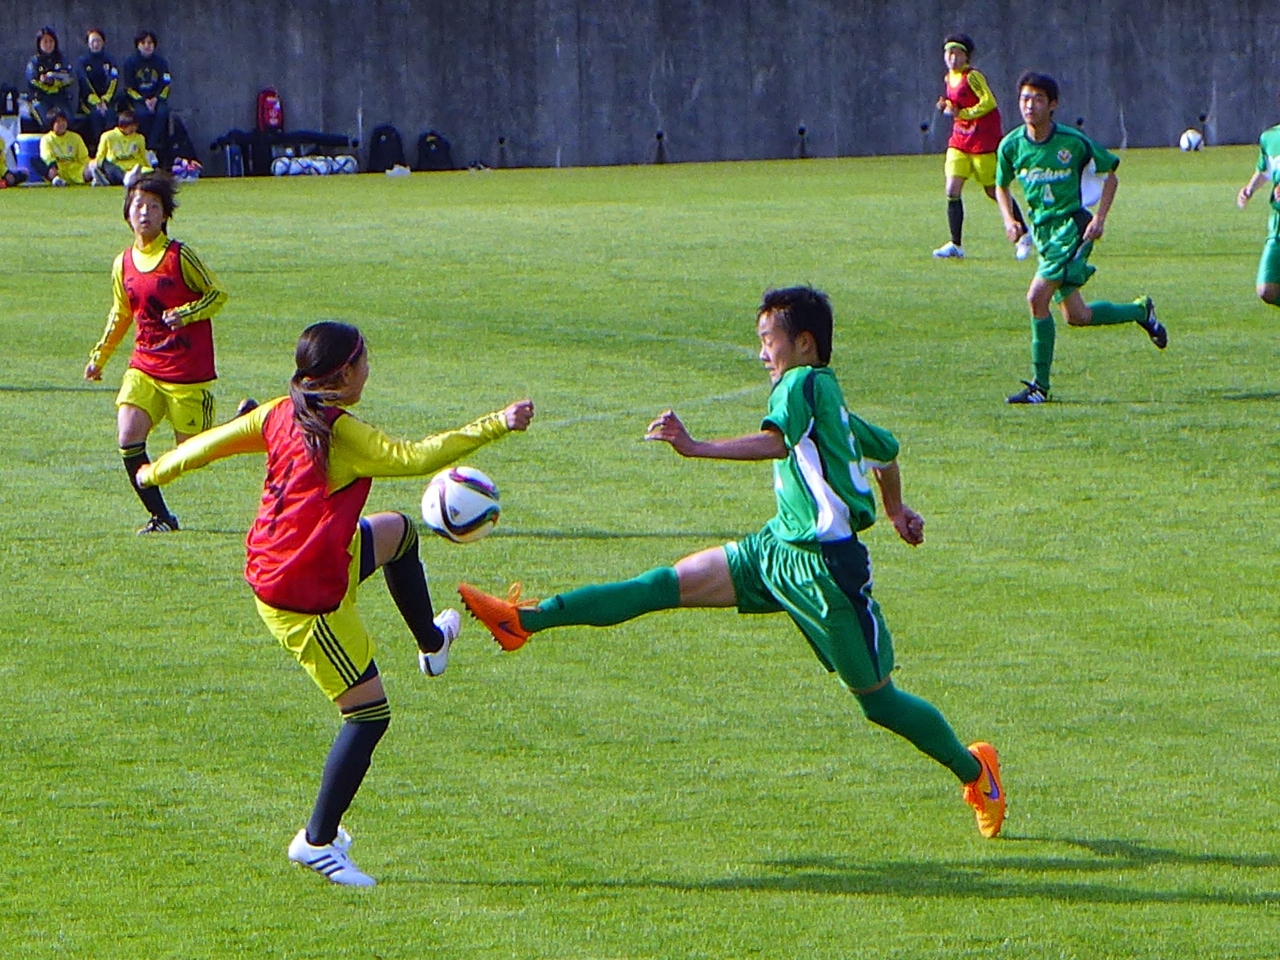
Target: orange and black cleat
(500,617)
(986,794)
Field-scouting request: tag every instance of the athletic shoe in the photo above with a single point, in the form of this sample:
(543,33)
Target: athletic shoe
(500,617)
(100,178)
(167,524)
(1034,393)
(1026,246)
(332,860)
(58,182)
(132,176)
(450,624)
(247,405)
(1155,329)
(986,794)
(949,250)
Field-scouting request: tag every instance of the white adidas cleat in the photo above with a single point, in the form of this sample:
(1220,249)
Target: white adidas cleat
(450,623)
(1026,246)
(333,860)
(948,251)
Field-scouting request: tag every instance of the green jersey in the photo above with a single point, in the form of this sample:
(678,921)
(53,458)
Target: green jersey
(1060,177)
(821,487)
(1269,163)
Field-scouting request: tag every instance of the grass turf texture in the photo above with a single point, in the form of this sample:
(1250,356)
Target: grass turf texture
(1095,596)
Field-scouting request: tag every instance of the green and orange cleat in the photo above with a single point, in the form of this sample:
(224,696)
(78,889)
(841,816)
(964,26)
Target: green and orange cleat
(500,617)
(986,794)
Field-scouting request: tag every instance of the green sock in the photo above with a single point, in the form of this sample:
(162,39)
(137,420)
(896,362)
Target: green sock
(920,722)
(1106,313)
(606,603)
(1042,338)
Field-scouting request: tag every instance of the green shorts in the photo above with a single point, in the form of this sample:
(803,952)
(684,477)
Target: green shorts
(1064,253)
(1269,265)
(826,589)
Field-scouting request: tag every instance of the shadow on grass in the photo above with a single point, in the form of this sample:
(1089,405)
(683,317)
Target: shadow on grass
(994,879)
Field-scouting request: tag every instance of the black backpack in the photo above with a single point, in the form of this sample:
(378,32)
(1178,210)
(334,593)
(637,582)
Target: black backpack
(434,152)
(386,149)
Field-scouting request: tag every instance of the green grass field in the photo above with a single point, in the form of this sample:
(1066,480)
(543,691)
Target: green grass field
(1096,595)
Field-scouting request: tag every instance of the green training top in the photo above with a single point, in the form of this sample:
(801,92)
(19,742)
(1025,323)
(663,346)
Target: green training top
(1269,162)
(1060,176)
(821,487)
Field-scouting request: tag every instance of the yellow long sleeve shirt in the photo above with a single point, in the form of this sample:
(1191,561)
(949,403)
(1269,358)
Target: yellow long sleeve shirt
(356,449)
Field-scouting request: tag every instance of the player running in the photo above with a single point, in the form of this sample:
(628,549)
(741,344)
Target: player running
(1268,173)
(309,550)
(162,287)
(807,561)
(1059,169)
(975,134)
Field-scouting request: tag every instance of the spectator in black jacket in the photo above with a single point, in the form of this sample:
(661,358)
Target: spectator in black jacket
(146,80)
(49,78)
(99,77)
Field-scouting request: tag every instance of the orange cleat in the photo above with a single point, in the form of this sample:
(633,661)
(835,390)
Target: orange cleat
(501,617)
(986,794)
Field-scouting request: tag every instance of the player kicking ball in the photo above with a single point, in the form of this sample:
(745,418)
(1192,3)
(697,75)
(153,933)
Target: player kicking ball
(1059,168)
(807,561)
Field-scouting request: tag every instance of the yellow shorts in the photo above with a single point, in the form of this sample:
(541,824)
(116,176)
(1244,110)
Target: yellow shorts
(972,166)
(334,648)
(188,406)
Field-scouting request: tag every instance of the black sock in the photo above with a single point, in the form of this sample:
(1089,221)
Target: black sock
(344,770)
(955,219)
(134,457)
(1017,212)
(407,584)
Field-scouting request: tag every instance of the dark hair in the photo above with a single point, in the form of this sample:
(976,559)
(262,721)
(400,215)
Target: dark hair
(125,116)
(47,32)
(55,113)
(802,310)
(324,351)
(1039,81)
(963,39)
(158,184)
(146,35)
(91,31)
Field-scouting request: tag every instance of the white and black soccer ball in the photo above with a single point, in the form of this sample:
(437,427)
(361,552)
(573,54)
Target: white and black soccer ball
(461,504)
(1190,141)
(280,167)
(346,164)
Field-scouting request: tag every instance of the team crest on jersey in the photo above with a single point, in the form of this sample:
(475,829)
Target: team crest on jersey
(1064,156)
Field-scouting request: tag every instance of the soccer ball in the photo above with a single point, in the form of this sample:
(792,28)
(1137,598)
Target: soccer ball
(461,504)
(280,167)
(1190,140)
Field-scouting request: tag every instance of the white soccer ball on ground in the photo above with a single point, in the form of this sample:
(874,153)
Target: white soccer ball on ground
(280,167)
(461,504)
(1190,140)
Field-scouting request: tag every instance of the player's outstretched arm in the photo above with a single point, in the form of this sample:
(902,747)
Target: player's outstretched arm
(1247,191)
(765,445)
(908,523)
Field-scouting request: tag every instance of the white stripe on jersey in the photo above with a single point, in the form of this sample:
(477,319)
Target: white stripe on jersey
(832,521)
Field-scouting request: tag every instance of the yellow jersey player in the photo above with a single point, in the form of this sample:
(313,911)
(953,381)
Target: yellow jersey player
(121,151)
(64,159)
(975,134)
(310,549)
(165,291)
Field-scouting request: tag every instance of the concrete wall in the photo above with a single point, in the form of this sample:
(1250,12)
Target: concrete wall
(591,81)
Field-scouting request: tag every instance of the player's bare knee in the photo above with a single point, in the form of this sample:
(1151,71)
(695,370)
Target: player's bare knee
(1269,293)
